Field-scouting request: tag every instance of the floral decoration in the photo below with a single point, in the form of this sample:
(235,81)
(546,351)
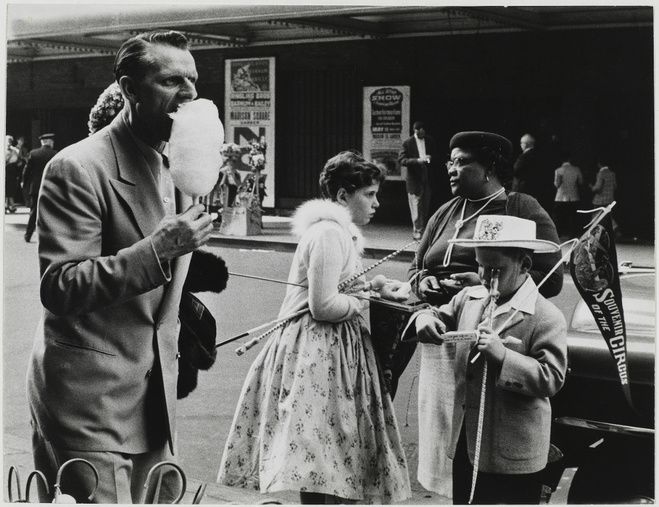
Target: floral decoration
(107,106)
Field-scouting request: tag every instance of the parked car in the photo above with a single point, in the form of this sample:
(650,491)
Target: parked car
(608,447)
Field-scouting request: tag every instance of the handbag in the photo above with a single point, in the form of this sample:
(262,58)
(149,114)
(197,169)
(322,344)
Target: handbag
(196,342)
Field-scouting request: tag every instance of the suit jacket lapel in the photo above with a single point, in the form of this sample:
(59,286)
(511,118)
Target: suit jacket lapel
(135,182)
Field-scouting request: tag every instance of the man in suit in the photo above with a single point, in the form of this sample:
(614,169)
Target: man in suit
(532,173)
(416,156)
(32,174)
(115,240)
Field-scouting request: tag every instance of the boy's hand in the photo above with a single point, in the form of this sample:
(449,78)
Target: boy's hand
(429,328)
(490,344)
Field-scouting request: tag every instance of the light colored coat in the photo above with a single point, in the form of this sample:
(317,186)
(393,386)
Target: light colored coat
(517,419)
(110,320)
(330,249)
(567,180)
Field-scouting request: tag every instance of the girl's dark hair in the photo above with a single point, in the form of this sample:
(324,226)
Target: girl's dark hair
(132,59)
(349,171)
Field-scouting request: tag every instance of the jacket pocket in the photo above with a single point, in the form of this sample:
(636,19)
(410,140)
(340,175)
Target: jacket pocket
(77,346)
(522,430)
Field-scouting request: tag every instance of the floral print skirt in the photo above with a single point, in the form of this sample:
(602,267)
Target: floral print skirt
(313,416)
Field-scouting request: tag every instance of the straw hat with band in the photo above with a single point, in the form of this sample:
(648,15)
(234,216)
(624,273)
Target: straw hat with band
(506,231)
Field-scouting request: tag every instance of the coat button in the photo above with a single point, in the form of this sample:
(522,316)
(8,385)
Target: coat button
(178,354)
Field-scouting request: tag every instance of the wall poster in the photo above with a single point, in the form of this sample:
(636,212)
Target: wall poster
(250,111)
(386,125)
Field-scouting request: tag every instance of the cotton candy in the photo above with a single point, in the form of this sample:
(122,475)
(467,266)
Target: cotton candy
(194,147)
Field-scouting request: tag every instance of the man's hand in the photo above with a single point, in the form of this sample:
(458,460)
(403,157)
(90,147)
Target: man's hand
(179,235)
(429,328)
(489,343)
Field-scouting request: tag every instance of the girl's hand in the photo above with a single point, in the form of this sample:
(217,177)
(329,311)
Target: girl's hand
(490,344)
(395,290)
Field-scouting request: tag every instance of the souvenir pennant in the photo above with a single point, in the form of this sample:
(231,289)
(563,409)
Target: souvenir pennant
(594,269)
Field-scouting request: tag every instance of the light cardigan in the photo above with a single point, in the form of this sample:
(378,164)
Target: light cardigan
(329,252)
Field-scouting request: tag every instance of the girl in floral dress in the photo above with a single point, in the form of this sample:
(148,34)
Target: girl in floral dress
(313,415)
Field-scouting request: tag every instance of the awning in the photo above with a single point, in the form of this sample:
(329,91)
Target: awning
(60,31)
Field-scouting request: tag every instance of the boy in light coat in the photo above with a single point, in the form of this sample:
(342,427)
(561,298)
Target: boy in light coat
(526,351)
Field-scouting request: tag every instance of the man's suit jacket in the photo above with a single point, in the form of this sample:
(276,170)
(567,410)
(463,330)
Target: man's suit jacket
(417,173)
(33,172)
(103,370)
(517,418)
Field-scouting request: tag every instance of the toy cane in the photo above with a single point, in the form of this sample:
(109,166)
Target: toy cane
(376,283)
(494,295)
(156,494)
(65,498)
(13,474)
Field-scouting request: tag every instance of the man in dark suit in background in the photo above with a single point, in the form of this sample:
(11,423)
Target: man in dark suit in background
(416,156)
(32,174)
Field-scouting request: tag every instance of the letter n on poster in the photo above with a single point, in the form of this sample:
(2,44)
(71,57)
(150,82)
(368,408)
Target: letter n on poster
(386,125)
(249,111)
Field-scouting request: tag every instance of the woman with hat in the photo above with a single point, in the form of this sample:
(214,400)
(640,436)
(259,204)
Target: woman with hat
(479,171)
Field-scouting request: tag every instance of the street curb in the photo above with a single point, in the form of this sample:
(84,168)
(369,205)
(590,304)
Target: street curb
(289,246)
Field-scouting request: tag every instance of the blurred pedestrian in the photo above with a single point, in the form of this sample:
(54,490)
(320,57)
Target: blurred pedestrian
(416,157)
(568,180)
(33,174)
(23,153)
(12,174)
(604,189)
(532,174)
(313,415)
(230,179)
(115,239)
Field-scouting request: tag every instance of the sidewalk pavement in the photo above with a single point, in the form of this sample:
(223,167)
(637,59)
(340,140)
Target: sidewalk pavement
(380,239)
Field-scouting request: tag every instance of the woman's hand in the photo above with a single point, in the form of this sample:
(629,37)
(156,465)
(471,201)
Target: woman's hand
(429,329)
(429,287)
(457,281)
(395,290)
(490,344)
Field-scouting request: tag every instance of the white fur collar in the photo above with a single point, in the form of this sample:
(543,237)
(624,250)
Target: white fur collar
(317,210)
